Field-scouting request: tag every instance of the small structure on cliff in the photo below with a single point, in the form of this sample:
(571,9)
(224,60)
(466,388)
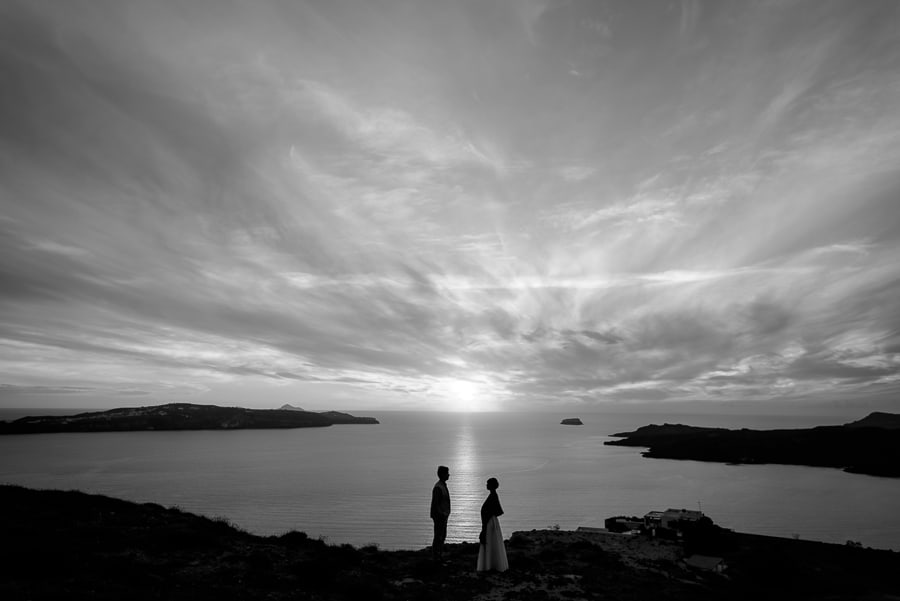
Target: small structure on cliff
(708,563)
(621,523)
(675,518)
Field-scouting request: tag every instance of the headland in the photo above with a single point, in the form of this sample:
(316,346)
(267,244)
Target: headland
(179,416)
(867,446)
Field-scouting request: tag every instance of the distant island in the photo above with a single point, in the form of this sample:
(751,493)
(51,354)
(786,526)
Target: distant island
(867,446)
(288,407)
(180,416)
(571,421)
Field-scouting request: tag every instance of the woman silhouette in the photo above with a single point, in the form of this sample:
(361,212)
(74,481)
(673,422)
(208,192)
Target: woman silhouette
(491,553)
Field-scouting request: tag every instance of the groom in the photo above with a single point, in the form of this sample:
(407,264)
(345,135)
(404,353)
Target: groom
(440,512)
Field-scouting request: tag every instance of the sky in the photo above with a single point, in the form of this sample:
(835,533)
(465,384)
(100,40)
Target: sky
(450,204)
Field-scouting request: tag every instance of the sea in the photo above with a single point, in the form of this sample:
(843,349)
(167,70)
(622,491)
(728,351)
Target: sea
(371,484)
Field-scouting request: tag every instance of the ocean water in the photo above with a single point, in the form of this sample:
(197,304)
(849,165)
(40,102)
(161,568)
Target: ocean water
(364,484)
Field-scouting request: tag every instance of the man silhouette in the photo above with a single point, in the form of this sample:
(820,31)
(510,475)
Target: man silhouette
(440,512)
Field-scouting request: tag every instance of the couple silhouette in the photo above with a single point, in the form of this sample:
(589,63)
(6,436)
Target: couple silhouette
(491,551)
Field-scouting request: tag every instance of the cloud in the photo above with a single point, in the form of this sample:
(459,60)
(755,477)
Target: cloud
(390,132)
(765,317)
(287,198)
(607,337)
(8,390)
(576,173)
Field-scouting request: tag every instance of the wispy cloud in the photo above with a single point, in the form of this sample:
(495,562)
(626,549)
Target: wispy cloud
(359,206)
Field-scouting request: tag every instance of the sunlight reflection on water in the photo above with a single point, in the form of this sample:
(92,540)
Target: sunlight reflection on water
(465,490)
(364,484)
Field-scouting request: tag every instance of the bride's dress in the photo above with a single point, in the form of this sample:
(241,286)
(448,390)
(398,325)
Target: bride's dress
(492,554)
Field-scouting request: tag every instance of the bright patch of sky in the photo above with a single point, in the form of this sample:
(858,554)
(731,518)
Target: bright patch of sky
(449,205)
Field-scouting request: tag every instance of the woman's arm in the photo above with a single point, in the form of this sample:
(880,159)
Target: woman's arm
(498,510)
(490,508)
(486,514)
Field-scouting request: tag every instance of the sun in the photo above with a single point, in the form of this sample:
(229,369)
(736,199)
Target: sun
(464,395)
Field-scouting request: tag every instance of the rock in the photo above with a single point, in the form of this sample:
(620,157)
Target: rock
(571,421)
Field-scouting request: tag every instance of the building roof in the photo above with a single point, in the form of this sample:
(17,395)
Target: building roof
(704,562)
(688,514)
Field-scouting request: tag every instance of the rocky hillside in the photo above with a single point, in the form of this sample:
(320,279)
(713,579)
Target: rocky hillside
(70,545)
(877,419)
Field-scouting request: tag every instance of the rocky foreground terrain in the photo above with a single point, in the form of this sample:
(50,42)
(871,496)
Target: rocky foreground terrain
(70,545)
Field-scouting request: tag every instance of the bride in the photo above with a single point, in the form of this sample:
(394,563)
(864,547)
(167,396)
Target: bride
(491,553)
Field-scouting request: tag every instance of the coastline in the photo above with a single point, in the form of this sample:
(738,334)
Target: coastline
(866,446)
(255,478)
(179,416)
(72,544)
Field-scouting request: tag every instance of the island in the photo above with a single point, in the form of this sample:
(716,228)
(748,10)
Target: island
(867,446)
(72,545)
(179,416)
(571,421)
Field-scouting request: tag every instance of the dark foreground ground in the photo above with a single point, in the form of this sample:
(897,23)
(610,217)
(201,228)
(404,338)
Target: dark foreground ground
(70,545)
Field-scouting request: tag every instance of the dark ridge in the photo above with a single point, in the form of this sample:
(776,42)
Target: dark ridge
(868,446)
(71,545)
(338,417)
(877,419)
(178,416)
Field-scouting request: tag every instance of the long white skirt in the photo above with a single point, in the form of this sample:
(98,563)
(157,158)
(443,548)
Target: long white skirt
(492,554)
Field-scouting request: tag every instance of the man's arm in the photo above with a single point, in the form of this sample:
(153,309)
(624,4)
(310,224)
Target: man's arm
(436,495)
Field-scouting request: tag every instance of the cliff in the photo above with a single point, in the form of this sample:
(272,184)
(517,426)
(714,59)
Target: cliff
(858,447)
(338,417)
(70,545)
(877,419)
(179,416)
